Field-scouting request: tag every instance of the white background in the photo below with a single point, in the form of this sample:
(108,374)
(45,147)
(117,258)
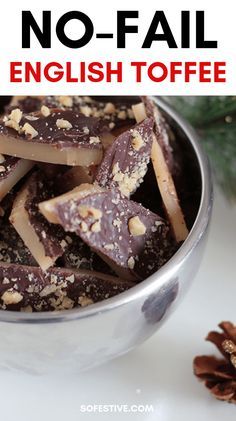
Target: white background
(160,371)
(220,25)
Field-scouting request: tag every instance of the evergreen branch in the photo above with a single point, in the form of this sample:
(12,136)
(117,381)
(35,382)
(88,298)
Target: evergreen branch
(215,120)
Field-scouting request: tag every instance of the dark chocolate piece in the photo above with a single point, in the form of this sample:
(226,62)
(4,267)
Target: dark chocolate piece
(130,238)
(24,288)
(125,163)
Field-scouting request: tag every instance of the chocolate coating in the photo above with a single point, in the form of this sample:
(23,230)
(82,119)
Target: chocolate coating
(103,221)
(81,134)
(125,163)
(30,289)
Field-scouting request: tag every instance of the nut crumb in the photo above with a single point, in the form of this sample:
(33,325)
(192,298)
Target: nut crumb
(85,301)
(29,130)
(137,141)
(66,101)
(16,115)
(131,262)
(94,140)
(109,108)
(136,227)
(63,124)
(11,297)
(96,227)
(45,111)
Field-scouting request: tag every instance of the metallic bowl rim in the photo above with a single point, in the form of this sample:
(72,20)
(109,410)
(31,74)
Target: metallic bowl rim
(147,286)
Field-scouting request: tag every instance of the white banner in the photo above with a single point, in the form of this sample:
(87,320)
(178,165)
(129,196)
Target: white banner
(150,47)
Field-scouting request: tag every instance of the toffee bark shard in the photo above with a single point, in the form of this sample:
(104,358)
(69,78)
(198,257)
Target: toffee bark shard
(62,137)
(163,174)
(25,288)
(125,163)
(130,238)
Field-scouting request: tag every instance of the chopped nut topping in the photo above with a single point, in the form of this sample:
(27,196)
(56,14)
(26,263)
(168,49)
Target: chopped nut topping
(13,125)
(11,297)
(84,226)
(86,211)
(66,101)
(45,111)
(109,246)
(131,262)
(85,301)
(28,129)
(94,140)
(63,124)
(136,227)
(137,141)
(71,278)
(2,168)
(122,115)
(109,108)
(49,289)
(96,227)
(16,115)
(86,111)
(86,130)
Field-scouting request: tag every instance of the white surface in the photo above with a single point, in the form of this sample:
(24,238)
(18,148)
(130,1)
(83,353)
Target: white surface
(160,371)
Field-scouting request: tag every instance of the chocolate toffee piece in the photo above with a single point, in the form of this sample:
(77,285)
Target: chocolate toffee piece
(125,163)
(55,136)
(27,289)
(161,131)
(78,255)
(47,208)
(11,171)
(165,183)
(45,242)
(130,238)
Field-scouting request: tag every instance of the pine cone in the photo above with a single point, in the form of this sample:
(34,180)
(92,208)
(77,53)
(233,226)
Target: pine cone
(219,375)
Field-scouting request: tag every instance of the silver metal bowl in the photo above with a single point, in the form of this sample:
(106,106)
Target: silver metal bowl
(79,339)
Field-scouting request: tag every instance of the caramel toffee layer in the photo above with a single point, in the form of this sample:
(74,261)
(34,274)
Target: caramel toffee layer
(28,289)
(125,163)
(130,238)
(56,136)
